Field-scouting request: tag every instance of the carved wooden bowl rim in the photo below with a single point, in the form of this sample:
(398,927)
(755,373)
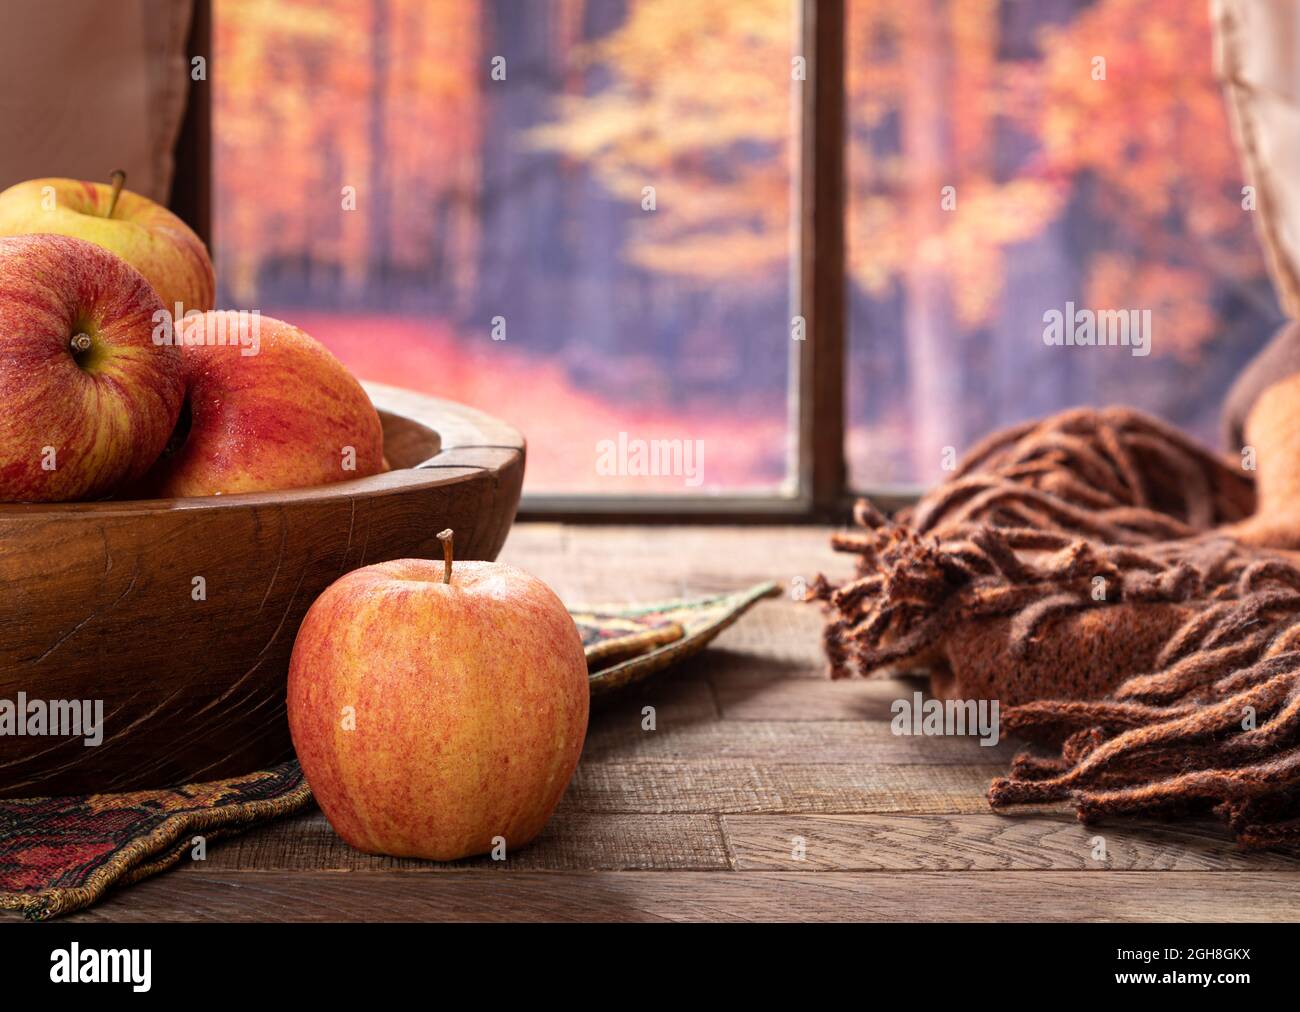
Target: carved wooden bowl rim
(461,441)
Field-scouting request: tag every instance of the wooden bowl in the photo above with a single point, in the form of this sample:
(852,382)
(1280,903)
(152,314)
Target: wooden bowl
(101,601)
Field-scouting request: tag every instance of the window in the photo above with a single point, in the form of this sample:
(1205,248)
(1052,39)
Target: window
(823,239)
(574,214)
(1008,160)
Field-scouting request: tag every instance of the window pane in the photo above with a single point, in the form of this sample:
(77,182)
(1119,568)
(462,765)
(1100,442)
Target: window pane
(573,214)
(1008,160)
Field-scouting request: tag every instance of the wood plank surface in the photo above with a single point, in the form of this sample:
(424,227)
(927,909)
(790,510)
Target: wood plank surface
(782,741)
(982,843)
(571,841)
(486,895)
(765,791)
(812,788)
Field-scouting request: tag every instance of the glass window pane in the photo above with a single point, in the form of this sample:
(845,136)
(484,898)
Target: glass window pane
(573,214)
(1011,160)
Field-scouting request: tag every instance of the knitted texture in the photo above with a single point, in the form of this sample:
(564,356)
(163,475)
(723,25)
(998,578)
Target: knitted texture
(1072,569)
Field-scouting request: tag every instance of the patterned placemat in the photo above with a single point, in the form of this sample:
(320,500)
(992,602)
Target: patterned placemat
(62,854)
(58,855)
(670,632)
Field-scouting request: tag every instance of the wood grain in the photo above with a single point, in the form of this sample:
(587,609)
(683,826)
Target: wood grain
(989,842)
(98,599)
(784,742)
(501,895)
(759,689)
(571,841)
(720,786)
(680,698)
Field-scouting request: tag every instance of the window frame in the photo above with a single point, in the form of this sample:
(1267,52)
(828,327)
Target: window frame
(819,294)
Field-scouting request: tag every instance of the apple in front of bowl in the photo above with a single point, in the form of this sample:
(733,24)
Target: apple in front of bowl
(267,407)
(88,399)
(438,710)
(144,234)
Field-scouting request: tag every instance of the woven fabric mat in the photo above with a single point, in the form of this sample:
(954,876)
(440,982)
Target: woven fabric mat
(58,855)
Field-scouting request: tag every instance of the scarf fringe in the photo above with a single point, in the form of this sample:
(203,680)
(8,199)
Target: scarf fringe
(1063,516)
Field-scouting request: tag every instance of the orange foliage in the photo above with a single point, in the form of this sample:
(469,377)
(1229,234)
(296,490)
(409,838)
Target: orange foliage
(700,99)
(693,83)
(296,120)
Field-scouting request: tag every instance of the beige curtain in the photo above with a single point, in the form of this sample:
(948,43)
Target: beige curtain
(88,86)
(1257,57)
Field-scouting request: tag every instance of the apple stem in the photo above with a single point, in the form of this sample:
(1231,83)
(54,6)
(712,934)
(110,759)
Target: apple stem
(81,342)
(118,178)
(445,538)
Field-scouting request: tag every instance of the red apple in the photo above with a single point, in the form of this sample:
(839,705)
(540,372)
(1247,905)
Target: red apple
(267,407)
(437,710)
(144,234)
(87,398)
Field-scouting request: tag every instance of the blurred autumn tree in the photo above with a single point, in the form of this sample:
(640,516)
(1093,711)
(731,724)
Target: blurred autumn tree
(694,84)
(698,101)
(1085,143)
(1030,112)
(392,107)
(317,95)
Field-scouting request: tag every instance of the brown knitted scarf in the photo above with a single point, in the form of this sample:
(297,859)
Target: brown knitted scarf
(1082,570)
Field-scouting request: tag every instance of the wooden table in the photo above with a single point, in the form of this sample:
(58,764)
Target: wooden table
(765,792)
